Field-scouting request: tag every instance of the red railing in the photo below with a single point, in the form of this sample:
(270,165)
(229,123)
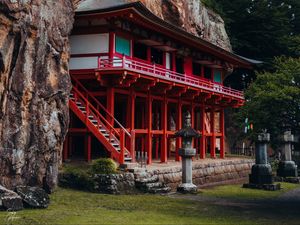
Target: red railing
(82,95)
(159,72)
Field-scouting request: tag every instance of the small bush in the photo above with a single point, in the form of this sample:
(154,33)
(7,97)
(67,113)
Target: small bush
(76,178)
(103,166)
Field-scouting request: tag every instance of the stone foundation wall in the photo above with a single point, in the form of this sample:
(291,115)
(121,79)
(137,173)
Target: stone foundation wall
(114,183)
(206,174)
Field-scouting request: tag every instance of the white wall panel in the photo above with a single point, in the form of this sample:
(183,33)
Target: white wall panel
(83,63)
(90,43)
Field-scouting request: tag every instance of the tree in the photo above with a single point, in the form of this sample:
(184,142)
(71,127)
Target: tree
(261,29)
(273,99)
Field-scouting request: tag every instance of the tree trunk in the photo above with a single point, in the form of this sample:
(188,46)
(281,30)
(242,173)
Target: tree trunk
(34,89)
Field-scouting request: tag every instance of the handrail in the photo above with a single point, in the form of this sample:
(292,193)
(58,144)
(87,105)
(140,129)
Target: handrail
(157,71)
(101,106)
(94,110)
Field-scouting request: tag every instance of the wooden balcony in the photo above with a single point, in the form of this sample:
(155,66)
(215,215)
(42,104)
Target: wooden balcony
(158,72)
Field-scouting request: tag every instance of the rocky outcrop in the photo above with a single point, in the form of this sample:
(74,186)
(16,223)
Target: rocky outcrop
(194,17)
(10,200)
(33,197)
(34,89)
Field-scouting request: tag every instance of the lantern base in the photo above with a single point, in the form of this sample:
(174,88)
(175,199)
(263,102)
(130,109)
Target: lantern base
(187,188)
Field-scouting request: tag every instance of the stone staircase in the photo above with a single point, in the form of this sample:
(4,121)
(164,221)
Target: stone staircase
(149,183)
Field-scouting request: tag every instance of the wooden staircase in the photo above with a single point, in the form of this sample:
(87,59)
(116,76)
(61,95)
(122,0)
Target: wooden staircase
(99,125)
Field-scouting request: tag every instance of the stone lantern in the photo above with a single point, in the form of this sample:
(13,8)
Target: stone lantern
(287,167)
(261,172)
(187,152)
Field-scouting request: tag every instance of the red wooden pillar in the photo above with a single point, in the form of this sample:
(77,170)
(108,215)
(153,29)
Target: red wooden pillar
(203,136)
(222,141)
(132,121)
(132,146)
(66,148)
(110,102)
(88,147)
(122,147)
(149,53)
(179,126)
(213,134)
(164,156)
(149,134)
(111,48)
(193,121)
(174,61)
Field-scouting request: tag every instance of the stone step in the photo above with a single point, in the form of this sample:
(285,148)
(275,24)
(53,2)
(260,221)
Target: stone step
(146,180)
(162,190)
(151,186)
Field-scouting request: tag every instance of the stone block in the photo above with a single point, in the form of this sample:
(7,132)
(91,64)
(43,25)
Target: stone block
(10,200)
(33,197)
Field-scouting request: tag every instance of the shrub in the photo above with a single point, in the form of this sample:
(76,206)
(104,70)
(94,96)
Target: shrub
(103,166)
(77,178)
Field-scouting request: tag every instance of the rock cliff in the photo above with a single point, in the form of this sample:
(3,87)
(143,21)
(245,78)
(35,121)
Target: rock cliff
(192,16)
(34,89)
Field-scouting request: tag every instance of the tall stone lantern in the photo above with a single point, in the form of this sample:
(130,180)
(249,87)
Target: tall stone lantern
(261,172)
(187,152)
(287,167)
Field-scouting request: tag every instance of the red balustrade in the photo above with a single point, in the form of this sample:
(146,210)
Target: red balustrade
(162,73)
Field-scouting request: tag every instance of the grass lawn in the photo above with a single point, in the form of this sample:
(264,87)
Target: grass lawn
(235,192)
(76,207)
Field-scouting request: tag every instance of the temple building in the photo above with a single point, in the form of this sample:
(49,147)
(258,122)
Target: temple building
(134,75)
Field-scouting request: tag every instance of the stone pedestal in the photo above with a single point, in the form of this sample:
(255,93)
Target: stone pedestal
(287,168)
(187,185)
(261,173)
(186,153)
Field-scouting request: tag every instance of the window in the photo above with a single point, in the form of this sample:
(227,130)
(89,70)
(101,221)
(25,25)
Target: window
(122,46)
(217,76)
(157,56)
(140,50)
(196,69)
(207,73)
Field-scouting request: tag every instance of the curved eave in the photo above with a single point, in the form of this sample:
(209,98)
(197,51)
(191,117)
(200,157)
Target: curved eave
(168,29)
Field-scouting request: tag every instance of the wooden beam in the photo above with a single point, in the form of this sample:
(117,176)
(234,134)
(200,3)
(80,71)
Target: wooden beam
(179,126)
(164,156)
(110,101)
(203,135)
(213,137)
(149,135)
(222,141)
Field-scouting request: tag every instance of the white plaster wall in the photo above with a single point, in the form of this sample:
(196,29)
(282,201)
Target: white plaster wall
(90,43)
(83,63)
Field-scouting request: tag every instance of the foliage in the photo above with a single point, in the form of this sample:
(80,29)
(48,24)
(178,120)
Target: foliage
(77,207)
(103,166)
(260,29)
(273,100)
(76,177)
